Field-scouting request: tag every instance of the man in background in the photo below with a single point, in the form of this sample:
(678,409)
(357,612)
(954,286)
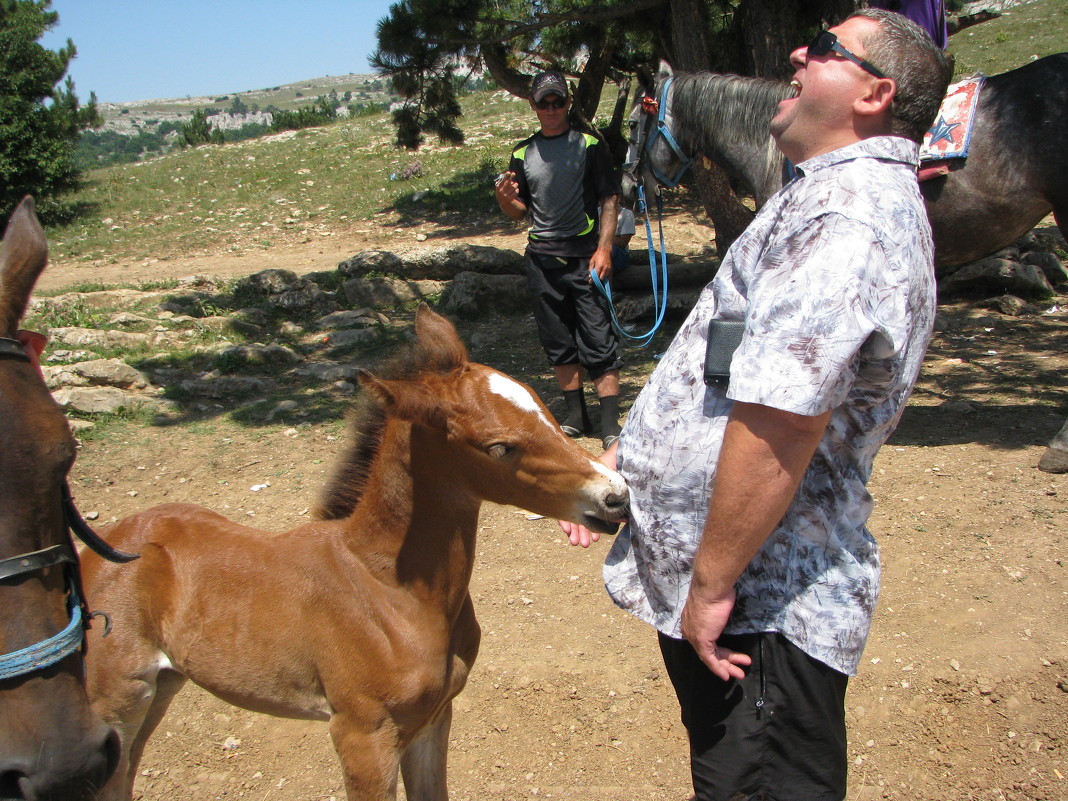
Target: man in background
(557,179)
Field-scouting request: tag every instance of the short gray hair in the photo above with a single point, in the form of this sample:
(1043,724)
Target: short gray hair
(905,52)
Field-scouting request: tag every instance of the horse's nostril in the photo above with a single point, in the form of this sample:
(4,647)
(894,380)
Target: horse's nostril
(9,785)
(112,752)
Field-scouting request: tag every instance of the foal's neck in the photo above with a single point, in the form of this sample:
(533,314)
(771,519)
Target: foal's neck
(416,518)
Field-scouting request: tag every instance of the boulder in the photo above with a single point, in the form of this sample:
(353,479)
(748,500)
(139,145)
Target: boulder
(474,294)
(214,385)
(440,264)
(371,261)
(389,293)
(348,337)
(997,276)
(96,372)
(286,290)
(1050,266)
(93,338)
(446,263)
(104,400)
(351,318)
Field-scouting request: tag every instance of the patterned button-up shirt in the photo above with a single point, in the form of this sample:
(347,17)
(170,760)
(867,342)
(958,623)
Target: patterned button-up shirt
(835,281)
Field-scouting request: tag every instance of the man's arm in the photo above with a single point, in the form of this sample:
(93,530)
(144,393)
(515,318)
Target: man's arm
(764,456)
(601,260)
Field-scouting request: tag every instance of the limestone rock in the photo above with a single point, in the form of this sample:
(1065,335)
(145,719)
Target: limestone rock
(473,294)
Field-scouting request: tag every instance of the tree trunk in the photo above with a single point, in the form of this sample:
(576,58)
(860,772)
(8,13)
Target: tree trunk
(690,51)
(729,216)
(769,30)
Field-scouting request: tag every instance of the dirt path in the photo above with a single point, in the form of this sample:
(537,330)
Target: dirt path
(963,692)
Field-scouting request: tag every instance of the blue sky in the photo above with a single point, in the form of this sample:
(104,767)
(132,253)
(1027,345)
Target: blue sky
(146,49)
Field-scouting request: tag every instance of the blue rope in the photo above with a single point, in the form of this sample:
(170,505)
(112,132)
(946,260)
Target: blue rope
(659,278)
(49,651)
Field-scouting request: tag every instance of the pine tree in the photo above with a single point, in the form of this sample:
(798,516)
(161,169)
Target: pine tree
(40,121)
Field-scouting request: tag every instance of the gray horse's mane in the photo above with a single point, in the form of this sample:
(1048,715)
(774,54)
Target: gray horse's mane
(724,116)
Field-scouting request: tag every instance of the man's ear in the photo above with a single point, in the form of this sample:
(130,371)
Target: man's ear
(878,98)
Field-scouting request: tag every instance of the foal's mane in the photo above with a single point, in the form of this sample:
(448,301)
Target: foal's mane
(367,423)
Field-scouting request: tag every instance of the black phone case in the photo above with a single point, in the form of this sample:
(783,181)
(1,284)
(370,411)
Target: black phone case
(724,336)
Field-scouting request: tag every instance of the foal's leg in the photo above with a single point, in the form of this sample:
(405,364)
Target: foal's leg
(423,763)
(168,683)
(369,760)
(132,696)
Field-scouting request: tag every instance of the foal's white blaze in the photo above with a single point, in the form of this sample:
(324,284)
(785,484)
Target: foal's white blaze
(516,393)
(614,478)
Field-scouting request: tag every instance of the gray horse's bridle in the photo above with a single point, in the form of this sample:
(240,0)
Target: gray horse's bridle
(52,649)
(655,111)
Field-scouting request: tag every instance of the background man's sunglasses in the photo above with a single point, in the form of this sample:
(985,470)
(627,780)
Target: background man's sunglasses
(547,104)
(825,42)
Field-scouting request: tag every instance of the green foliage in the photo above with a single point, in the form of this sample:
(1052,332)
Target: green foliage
(323,112)
(428,48)
(415,51)
(101,148)
(39,122)
(197,131)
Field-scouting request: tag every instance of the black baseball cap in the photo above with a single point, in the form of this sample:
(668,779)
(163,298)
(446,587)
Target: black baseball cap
(548,83)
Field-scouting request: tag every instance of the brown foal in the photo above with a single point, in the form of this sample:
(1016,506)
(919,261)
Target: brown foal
(362,618)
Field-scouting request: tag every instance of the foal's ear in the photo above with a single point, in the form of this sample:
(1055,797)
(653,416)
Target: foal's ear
(413,401)
(439,341)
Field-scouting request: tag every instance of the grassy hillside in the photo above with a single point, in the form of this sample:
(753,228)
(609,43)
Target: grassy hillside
(296,185)
(231,198)
(1033,29)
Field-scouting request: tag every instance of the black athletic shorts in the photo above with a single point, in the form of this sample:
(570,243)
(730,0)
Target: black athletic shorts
(573,320)
(777,735)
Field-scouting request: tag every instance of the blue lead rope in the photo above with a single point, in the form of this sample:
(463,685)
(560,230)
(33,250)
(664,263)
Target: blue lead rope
(658,277)
(47,652)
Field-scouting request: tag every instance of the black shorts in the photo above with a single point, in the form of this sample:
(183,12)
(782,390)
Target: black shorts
(573,320)
(777,735)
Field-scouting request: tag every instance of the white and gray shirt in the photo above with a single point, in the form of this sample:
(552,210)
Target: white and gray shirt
(835,281)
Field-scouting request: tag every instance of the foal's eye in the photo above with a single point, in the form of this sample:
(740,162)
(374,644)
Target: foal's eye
(499,450)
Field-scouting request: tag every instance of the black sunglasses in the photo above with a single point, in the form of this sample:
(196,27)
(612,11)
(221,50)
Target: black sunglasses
(548,104)
(825,42)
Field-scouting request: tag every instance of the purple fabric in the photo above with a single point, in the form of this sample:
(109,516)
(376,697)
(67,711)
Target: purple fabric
(928,14)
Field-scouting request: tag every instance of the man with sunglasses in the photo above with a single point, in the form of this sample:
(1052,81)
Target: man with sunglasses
(557,178)
(747,547)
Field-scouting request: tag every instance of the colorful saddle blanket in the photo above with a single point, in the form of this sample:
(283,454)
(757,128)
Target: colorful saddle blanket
(951,135)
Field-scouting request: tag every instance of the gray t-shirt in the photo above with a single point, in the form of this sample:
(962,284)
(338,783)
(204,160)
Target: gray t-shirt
(562,180)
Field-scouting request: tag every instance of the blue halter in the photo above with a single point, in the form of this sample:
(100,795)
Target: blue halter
(51,650)
(661,129)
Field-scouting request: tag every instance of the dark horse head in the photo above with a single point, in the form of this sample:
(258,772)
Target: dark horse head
(52,745)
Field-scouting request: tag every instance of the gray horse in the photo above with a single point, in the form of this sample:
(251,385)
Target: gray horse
(1016,173)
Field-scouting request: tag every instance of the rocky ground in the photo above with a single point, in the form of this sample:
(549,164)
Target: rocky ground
(963,693)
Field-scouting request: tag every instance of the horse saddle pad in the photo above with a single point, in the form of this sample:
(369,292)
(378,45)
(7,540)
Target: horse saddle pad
(950,136)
